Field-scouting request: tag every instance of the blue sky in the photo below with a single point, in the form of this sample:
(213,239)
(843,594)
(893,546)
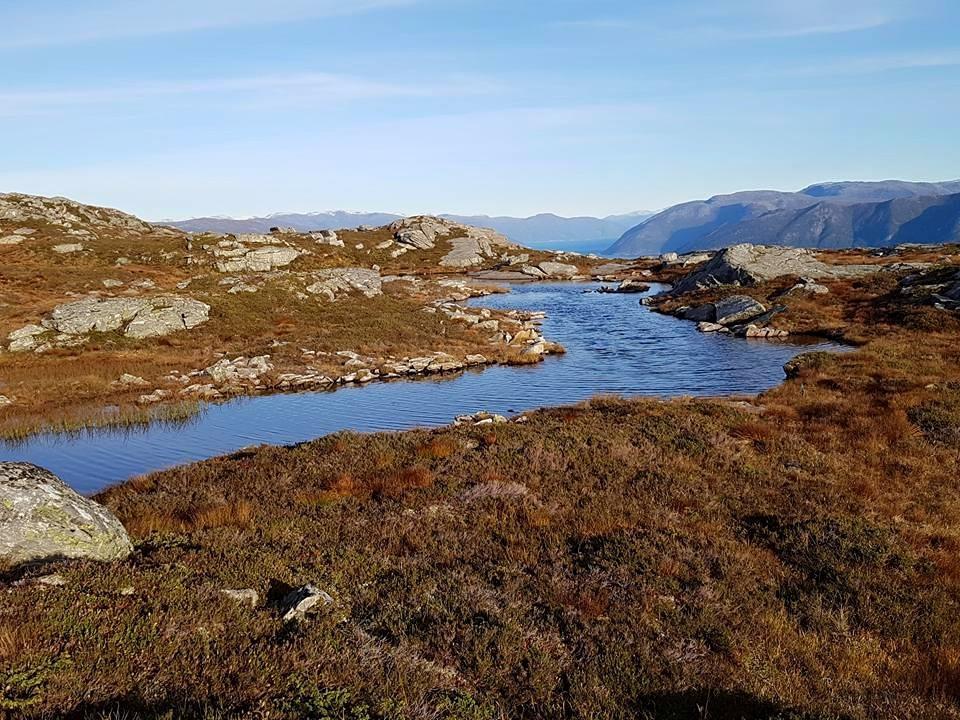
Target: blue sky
(177,108)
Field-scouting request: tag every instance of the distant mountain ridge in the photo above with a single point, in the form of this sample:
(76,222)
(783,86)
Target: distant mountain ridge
(836,215)
(543,230)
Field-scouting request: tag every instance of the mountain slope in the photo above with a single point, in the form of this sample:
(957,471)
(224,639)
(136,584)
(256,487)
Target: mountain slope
(931,219)
(575,233)
(689,225)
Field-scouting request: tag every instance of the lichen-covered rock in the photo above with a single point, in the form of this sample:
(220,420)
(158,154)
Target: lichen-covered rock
(67,248)
(135,317)
(556,269)
(138,317)
(333,282)
(479,245)
(166,315)
(65,213)
(94,315)
(41,518)
(261,259)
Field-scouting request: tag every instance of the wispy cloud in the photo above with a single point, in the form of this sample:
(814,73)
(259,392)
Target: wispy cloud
(872,64)
(289,89)
(752,20)
(45,23)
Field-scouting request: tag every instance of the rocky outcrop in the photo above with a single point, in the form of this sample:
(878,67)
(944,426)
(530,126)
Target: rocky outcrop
(236,257)
(627,286)
(481,418)
(420,232)
(469,251)
(167,315)
(748,265)
(133,317)
(66,214)
(334,282)
(740,315)
(241,370)
(41,518)
(939,287)
(327,237)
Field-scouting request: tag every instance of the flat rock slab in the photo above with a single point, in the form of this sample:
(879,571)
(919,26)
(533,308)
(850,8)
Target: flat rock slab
(502,276)
(41,518)
(334,282)
(556,269)
(736,308)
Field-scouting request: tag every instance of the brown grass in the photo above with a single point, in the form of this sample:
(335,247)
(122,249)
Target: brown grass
(692,558)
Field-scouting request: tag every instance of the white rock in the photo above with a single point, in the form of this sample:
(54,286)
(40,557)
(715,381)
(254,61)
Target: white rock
(66,248)
(333,282)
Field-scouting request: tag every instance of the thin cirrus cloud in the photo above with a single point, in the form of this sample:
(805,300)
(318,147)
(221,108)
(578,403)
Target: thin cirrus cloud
(750,20)
(298,88)
(873,64)
(42,23)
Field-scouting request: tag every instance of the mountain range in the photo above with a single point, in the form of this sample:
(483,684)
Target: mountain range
(826,215)
(583,234)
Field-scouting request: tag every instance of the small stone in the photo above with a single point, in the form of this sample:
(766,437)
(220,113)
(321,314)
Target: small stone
(303,601)
(129,380)
(709,327)
(246,596)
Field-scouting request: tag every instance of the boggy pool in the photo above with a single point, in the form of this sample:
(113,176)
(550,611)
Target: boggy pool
(614,346)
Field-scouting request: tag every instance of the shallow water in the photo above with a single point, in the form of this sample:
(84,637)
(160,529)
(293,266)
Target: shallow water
(614,346)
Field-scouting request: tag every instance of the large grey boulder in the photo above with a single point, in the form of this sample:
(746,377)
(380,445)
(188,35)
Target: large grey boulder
(261,259)
(95,315)
(748,265)
(557,269)
(167,315)
(41,518)
(134,317)
(138,317)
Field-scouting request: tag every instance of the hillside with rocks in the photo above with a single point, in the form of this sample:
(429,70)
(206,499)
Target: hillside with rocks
(792,554)
(544,230)
(101,307)
(829,215)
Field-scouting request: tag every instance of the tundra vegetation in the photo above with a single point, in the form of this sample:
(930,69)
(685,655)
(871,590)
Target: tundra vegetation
(790,555)
(105,319)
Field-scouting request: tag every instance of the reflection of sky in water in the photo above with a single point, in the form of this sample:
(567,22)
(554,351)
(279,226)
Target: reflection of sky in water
(615,346)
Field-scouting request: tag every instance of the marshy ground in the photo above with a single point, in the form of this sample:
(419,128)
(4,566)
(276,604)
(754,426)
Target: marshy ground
(793,555)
